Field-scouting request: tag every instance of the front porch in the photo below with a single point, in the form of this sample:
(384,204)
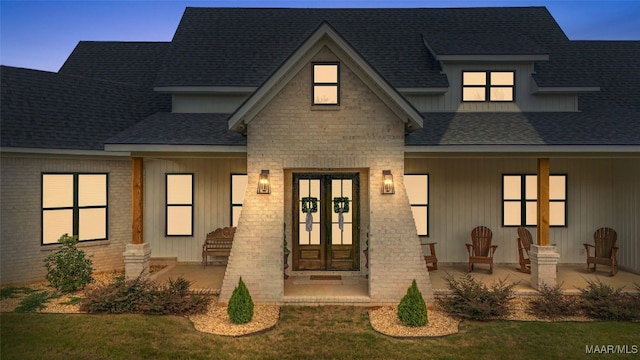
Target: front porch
(355,291)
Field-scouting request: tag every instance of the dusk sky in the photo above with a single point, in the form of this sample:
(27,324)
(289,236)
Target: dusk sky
(42,34)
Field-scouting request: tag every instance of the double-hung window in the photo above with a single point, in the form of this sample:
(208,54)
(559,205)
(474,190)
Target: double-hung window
(326,84)
(179,211)
(482,86)
(74,204)
(520,200)
(418,192)
(238,187)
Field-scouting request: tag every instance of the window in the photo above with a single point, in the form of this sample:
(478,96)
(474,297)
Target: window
(179,221)
(326,89)
(238,187)
(520,203)
(487,85)
(418,192)
(74,204)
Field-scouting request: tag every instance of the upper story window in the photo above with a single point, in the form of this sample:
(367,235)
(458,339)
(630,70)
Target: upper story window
(488,85)
(326,84)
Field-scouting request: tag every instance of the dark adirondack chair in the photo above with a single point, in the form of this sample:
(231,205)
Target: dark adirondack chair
(431,259)
(524,246)
(605,250)
(480,250)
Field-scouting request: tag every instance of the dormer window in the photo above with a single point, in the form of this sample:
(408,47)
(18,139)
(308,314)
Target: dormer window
(488,85)
(326,85)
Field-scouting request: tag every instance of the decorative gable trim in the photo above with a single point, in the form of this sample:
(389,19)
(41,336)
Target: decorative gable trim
(327,36)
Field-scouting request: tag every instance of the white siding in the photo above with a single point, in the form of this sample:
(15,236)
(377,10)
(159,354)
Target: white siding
(212,203)
(465,193)
(207,103)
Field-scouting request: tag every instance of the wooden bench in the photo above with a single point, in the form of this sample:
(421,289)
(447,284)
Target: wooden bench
(218,243)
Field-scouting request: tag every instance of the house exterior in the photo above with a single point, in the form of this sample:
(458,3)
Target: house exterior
(339,129)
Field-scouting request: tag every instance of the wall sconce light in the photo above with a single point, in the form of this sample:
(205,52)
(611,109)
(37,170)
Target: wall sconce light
(387,183)
(264,187)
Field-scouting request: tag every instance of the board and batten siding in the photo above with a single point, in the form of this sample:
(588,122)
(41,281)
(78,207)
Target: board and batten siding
(465,193)
(211,202)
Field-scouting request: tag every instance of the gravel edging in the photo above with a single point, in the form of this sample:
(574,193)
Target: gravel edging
(385,321)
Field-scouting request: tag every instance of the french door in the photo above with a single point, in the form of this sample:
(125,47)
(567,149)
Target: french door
(326,221)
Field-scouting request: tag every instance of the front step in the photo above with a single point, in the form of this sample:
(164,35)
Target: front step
(327,300)
(326,289)
(326,280)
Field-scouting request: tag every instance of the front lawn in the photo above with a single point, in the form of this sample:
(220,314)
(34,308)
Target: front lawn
(302,332)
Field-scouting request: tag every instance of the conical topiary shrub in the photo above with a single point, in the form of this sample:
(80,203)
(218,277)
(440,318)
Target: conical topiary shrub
(240,308)
(412,310)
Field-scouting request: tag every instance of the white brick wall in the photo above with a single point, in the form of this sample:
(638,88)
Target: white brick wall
(289,134)
(21,253)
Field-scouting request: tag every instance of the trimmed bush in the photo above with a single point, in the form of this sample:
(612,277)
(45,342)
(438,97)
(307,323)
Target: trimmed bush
(412,310)
(142,296)
(602,302)
(68,269)
(473,300)
(552,304)
(240,308)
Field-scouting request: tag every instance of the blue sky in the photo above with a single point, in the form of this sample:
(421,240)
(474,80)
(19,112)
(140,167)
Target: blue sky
(41,34)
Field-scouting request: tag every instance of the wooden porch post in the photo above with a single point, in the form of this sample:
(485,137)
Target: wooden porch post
(136,201)
(543,202)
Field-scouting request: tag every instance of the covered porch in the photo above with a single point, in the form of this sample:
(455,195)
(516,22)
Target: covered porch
(354,290)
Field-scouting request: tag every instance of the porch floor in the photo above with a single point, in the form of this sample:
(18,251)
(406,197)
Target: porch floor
(355,290)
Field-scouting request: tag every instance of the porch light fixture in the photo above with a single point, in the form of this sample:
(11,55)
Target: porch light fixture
(264,187)
(387,183)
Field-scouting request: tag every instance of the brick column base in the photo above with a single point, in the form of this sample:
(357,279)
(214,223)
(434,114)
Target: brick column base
(544,266)
(136,260)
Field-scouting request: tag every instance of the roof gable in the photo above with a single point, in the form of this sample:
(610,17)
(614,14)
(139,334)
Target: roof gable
(325,35)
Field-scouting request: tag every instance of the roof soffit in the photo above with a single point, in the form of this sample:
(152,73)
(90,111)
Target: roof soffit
(325,36)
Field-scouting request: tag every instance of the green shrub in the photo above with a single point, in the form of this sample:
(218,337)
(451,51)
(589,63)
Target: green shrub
(240,308)
(68,269)
(552,304)
(412,310)
(602,302)
(143,296)
(473,300)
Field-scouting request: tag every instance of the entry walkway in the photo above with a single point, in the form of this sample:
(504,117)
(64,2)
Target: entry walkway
(355,290)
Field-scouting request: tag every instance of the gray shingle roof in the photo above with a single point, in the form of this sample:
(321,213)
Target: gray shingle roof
(180,129)
(48,110)
(242,47)
(483,44)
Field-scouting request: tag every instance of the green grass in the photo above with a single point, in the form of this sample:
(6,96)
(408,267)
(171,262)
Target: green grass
(302,332)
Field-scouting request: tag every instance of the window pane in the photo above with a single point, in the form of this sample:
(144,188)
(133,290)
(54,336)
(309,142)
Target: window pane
(531,185)
(557,187)
(512,213)
(92,224)
(501,94)
(303,234)
(325,94)
(92,190)
(473,94)
(474,78)
(315,189)
(179,189)
(179,220)
(532,213)
(56,223)
(315,234)
(502,78)
(417,188)
(236,210)
(556,213)
(57,191)
(325,73)
(420,218)
(238,187)
(512,187)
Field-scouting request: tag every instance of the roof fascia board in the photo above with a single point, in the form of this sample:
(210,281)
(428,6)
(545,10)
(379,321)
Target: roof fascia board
(261,97)
(142,148)
(538,150)
(511,58)
(23,150)
(207,89)
(423,91)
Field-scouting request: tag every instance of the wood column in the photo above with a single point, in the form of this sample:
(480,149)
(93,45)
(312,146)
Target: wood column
(543,202)
(136,200)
